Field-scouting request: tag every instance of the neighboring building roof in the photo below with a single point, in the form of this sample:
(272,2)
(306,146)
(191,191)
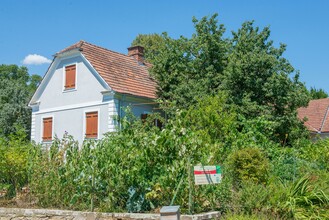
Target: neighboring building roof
(317,115)
(124,74)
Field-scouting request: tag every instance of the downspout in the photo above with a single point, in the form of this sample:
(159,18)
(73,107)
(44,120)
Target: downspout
(121,103)
(119,113)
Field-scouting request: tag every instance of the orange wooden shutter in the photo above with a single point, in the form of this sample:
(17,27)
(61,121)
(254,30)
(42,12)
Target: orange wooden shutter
(47,129)
(92,124)
(70,72)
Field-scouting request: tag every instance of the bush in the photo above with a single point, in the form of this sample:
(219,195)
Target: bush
(137,168)
(248,164)
(317,154)
(306,200)
(14,162)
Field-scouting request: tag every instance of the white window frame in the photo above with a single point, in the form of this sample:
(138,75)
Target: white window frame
(64,78)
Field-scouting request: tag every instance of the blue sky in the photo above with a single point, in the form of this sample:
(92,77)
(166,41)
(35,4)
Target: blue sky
(43,27)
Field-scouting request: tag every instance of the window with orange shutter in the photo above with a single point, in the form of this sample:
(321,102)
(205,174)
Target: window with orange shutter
(92,125)
(70,74)
(47,129)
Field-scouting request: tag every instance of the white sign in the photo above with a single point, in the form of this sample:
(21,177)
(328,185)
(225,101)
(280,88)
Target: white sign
(207,175)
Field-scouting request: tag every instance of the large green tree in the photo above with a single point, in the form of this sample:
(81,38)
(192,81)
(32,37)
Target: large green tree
(247,66)
(16,88)
(189,69)
(258,80)
(152,43)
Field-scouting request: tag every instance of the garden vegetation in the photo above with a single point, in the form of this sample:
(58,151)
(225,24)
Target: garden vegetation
(229,101)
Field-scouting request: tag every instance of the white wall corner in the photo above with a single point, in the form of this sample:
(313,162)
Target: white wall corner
(33,127)
(112,123)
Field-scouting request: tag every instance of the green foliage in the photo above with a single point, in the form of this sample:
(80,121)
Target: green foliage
(318,93)
(247,66)
(258,82)
(189,69)
(248,164)
(232,102)
(14,161)
(305,200)
(317,154)
(232,216)
(252,198)
(16,88)
(152,43)
(138,168)
(285,164)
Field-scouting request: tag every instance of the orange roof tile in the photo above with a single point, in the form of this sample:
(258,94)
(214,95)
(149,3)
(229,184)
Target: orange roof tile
(317,115)
(122,73)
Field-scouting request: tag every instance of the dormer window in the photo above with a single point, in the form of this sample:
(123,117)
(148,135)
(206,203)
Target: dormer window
(70,77)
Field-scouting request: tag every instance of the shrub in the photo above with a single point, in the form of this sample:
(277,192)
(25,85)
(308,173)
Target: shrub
(137,168)
(317,154)
(248,164)
(14,162)
(306,200)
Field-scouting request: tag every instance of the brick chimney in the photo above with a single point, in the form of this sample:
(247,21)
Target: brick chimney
(137,52)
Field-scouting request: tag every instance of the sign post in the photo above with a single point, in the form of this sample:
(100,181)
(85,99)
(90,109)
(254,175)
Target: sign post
(207,175)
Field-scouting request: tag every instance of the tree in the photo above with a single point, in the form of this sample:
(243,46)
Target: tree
(152,44)
(318,93)
(257,79)
(247,66)
(14,160)
(16,89)
(189,69)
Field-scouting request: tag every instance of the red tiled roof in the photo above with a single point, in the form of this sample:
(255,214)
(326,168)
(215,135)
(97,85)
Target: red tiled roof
(317,115)
(122,73)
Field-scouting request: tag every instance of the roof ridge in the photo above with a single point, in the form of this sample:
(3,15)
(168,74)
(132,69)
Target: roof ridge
(71,47)
(106,49)
(115,68)
(322,99)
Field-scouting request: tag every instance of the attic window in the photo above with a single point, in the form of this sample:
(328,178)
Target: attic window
(70,77)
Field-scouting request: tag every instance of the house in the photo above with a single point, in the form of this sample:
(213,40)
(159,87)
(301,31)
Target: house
(317,117)
(85,88)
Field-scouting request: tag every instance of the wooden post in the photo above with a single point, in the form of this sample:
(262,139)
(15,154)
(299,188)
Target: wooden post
(190,186)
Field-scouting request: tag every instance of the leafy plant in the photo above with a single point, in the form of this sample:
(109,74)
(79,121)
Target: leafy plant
(305,200)
(248,164)
(14,161)
(16,88)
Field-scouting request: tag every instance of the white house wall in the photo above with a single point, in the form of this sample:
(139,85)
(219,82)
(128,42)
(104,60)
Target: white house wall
(88,88)
(68,108)
(72,121)
(113,110)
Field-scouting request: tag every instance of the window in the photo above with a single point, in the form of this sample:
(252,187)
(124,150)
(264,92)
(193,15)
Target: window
(156,122)
(47,129)
(70,75)
(144,117)
(91,124)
